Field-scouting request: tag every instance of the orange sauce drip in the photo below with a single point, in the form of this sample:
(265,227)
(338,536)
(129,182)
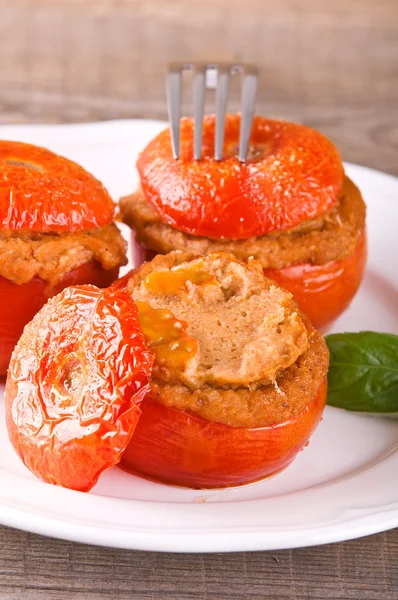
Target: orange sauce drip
(166,336)
(163,282)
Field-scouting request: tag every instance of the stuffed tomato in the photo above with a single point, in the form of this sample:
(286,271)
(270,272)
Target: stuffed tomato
(239,377)
(56,229)
(290,206)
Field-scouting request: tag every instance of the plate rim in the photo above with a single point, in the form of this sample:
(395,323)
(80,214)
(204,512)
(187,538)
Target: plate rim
(357,521)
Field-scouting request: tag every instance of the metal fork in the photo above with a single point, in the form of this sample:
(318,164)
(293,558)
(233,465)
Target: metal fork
(202,71)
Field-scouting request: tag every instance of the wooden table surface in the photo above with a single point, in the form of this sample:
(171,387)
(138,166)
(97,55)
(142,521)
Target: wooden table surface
(332,65)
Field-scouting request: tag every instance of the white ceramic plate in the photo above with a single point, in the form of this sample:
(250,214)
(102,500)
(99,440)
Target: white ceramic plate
(344,485)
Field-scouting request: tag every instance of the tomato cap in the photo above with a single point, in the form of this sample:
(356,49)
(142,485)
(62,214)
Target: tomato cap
(76,379)
(43,192)
(293,173)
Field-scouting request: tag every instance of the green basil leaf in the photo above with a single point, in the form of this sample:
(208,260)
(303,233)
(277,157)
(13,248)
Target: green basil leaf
(363,373)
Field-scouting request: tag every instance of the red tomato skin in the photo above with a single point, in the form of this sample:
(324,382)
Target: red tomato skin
(324,292)
(43,192)
(178,448)
(298,177)
(74,388)
(19,303)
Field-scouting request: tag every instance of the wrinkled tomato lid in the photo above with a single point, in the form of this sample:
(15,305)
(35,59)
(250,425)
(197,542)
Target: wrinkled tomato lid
(75,383)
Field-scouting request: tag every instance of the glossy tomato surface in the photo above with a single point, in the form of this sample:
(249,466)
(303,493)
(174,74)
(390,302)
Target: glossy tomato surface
(324,292)
(178,448)
(74,385)
(43,192)
(19,303)
(293,173)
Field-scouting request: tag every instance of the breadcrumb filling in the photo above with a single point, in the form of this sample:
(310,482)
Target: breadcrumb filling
(248,336)
(331,237)
(50,256)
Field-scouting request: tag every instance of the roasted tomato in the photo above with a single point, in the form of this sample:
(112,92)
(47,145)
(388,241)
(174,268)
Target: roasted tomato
(179,448)
(20,303)
(76,379)
(293,173)
(323,292)
(42,193)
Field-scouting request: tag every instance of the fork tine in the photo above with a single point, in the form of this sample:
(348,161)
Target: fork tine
(199,83)
(249,90)
(221,109)
(173,88)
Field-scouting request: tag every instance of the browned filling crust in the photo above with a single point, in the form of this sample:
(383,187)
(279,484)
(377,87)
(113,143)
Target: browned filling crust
(50,256)
(254,359)
(294,389)
(332,237)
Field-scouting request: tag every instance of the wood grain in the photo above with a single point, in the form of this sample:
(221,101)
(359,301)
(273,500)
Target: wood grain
(33,567)
(332,65)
